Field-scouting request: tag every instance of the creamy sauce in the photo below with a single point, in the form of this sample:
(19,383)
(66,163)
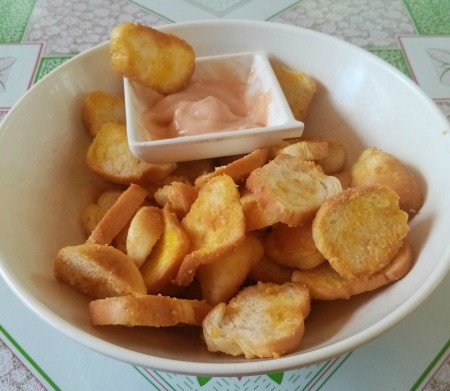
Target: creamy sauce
(209,104)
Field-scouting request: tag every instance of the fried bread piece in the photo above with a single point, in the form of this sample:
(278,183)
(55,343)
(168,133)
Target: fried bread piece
(293,246)
(93,213)
(290,189)
(110,157)
(336,159)
(148,310)
(118,215)
(221,280)
(98,271)
(151,58)
(360,230)
(100,108)
(376,167)
(162,265)
(215,225)
(306,150)
(255,217)
(324,283)
(145,229)
(264,320)
(238,169)
(178,196)
(299,89)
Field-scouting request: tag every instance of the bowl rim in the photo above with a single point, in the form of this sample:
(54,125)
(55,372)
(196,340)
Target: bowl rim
(247,367)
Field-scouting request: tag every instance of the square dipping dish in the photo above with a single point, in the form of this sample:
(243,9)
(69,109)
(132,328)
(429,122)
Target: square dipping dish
(253,69)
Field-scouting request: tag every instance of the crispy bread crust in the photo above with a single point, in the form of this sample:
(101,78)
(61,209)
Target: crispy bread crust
(290,189)
(98,271)
(324,283)
(360,230)
(163,62)
(120,213)
(264,320)
(148,310)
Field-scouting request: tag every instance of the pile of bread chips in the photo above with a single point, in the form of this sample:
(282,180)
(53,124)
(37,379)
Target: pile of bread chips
(239,245)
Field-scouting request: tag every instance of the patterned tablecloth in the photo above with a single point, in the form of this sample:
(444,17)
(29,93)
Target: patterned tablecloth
(413,35)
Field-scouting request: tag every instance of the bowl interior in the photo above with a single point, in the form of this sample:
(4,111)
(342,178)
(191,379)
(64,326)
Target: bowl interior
(361,101)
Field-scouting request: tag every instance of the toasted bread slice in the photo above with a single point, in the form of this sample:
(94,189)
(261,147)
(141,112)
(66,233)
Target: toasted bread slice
(255,217)
(324,283)
(360,230)
(293,246)
(306,150)
(215,225)
(178,196)
(376,167)
(299,89)
(335,160)
(264,320)
(148,310)
(98,271)
(221,280)
(118,215)
(93,213)
(145,229)
(110,157)
(163,263)
(290,189)
(100,108)
(238,169)
(151,58)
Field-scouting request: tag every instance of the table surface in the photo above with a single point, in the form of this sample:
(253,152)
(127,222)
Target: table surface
(413,35)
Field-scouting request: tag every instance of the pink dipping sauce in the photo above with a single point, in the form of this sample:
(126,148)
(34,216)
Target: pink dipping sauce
(209,104)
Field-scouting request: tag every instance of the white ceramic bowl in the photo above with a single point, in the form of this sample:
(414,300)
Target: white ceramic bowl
(361,100)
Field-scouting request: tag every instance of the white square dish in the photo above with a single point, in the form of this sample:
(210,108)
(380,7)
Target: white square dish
(255,71)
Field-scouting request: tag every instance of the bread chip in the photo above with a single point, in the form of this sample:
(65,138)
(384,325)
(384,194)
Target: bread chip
(360,230)
(100,108)
(162,265)
(93,213)
(336,159)
(110,157)
(306,150)
(299,89)
(144,230)
(178,196)
(255,217)
(149,310)
(290,189)
(324,283)
(98,271)
(118,215)
(293,246)
(376,167)
(221,280)
(215,225)
(268,271)
(151,58)
(238,169)
(265,320)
